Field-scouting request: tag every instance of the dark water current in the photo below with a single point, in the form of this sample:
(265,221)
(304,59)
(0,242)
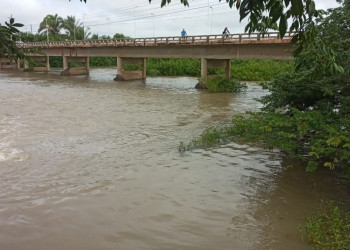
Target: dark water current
(90,163)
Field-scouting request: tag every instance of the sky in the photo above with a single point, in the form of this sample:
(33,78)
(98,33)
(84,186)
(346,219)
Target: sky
(134,18)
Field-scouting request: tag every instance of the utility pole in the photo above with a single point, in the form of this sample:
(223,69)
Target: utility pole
(153,23)
(135,22)
(84,26)
(208,17)
(47,31)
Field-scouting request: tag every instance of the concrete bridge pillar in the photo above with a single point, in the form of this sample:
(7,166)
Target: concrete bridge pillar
(125,75)
(79,70)
(43,60)
(213,63)
(47,65)
(7,63)
(65,62)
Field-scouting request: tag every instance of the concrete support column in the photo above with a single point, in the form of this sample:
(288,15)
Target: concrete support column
(87,63)
(213,63)
(47,63)
(26,64)
(204,68)
(7,63)
(228,68)
(125,75)
(143,68)
(79,70)
(119,65)
(65,62)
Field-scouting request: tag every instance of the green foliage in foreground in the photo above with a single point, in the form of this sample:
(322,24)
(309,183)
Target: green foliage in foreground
(307,113)
(8,36)
(224,84)
(329,229)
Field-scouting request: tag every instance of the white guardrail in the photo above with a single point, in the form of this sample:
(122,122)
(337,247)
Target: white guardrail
(272,37)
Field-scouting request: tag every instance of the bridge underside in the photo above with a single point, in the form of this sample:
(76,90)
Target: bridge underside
(76,59)
(225,51)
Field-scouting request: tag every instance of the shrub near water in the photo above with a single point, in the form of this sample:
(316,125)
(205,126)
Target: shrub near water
(259,70)
(329,229)
(224,84)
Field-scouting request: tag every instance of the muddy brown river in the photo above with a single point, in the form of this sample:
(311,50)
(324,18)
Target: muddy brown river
(90,163)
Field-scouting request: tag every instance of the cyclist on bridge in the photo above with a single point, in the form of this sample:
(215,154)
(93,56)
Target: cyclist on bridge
(226,31)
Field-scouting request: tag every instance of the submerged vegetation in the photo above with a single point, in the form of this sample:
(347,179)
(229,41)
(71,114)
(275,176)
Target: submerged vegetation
(320,139)
(224,84)
(329,229)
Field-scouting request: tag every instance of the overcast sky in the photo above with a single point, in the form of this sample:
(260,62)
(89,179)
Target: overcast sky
(134,18)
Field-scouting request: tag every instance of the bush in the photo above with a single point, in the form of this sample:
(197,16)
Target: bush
(329,229)
(224,84)
(259,70)
(317,138)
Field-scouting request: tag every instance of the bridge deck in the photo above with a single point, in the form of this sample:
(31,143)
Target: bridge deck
(167,41)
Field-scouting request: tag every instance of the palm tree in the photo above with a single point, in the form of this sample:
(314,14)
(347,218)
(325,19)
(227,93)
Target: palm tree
(71,26)
(52,24)
(82,33)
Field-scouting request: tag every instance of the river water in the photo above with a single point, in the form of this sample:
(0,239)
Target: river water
(90,163)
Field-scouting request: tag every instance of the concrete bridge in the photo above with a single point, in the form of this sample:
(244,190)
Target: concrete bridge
(213,50)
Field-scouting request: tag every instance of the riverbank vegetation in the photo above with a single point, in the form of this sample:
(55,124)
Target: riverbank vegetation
(329,228)
(307,112)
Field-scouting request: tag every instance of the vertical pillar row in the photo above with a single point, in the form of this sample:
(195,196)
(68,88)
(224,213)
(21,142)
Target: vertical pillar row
(143,68)
(47,63)
(87,63)
(125,75)
(228,68)
(65,62)
(204,68)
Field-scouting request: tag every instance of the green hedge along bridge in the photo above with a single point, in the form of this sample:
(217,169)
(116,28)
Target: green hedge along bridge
(214,51)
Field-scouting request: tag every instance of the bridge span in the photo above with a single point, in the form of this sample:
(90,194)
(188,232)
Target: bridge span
(213,50)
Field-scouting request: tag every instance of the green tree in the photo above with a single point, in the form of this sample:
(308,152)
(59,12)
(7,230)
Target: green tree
(94,37)
(118,36)
(319,81)
(73,28)
(8,35)
(52,24)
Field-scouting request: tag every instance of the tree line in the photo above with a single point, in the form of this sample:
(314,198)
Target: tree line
(56,28)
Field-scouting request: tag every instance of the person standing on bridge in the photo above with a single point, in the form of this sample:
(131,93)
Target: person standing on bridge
(183,34)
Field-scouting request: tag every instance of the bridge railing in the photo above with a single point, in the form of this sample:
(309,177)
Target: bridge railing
(159,41)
